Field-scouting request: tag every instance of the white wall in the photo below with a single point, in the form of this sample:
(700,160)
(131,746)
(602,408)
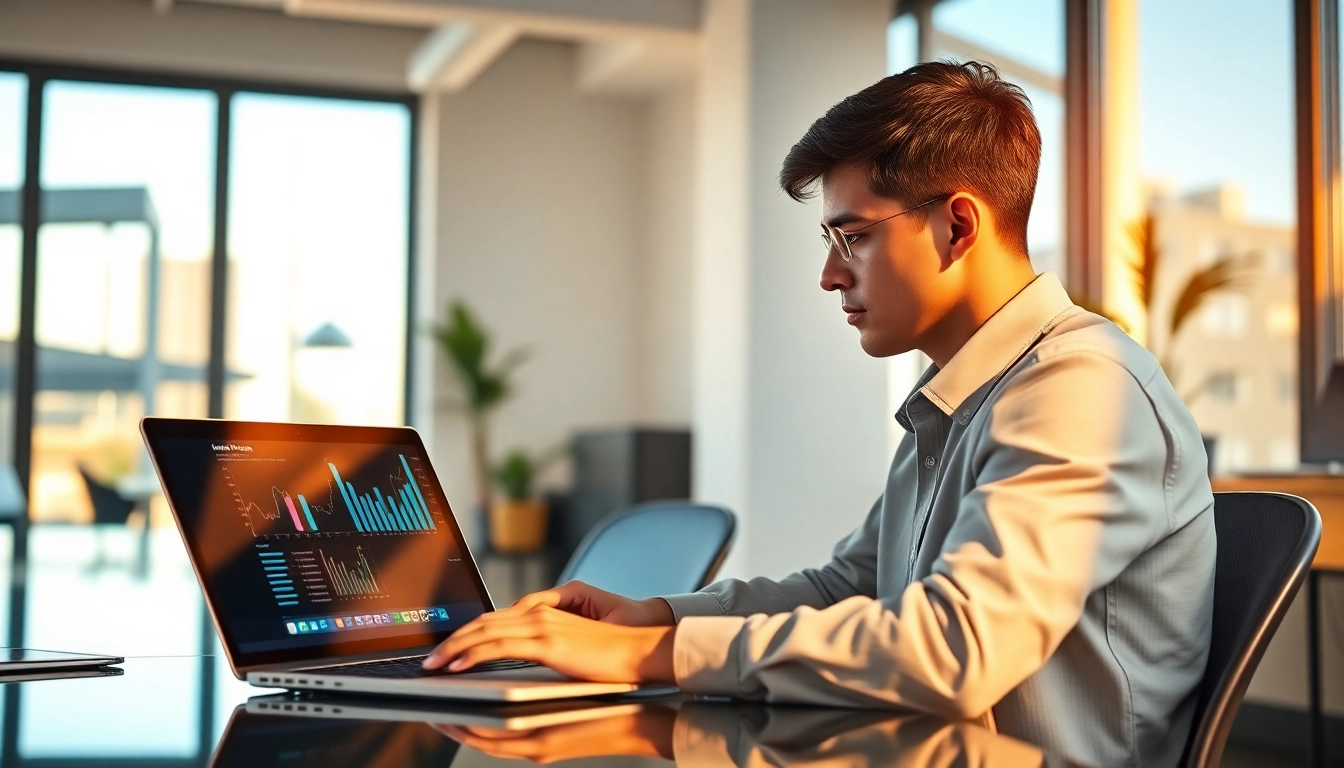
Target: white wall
(207,40)
(800,412)
(546,227)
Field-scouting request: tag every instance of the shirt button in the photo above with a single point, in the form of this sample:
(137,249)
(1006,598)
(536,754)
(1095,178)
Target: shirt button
(965,416)
(929,462)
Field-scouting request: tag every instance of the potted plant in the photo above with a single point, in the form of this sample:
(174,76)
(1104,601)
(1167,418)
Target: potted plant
(484,386)
(518,519)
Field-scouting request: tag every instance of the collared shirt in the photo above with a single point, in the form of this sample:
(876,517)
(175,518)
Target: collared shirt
(1042,557)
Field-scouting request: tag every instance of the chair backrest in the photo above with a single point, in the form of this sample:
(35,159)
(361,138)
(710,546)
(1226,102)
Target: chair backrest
(1266,542)
(108,505)
(661,548)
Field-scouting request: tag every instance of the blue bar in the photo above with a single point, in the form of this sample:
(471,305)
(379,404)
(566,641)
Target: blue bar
(401,515)
(275,568)
(280,555)
(378,501)
(312,524)
(408,504)
(282,581)
(291,602)
(281,590)
(373,512)
(369,523)
(349,505)
(418,496)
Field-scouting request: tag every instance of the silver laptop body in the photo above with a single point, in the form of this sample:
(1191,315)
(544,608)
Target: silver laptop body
(326,550)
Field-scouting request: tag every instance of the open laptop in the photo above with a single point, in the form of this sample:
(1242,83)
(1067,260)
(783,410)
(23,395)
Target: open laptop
(331,560)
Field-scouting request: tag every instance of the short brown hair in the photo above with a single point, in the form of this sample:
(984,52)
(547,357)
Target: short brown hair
(936,128)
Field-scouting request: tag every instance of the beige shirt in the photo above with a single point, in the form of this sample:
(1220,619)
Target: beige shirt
(1042,557)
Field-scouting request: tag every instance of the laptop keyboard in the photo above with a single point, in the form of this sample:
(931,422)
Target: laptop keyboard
(401,669)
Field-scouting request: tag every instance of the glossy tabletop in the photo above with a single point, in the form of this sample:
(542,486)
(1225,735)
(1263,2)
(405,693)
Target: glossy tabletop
(173,711)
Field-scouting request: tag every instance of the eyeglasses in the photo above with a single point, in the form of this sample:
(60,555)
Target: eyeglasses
(834,236)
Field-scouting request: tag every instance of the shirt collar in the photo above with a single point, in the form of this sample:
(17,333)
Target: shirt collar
(995,346)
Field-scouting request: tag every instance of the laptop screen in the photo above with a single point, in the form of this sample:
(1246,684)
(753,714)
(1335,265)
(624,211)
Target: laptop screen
(316,541)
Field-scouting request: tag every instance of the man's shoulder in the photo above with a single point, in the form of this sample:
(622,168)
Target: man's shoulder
(1085,335)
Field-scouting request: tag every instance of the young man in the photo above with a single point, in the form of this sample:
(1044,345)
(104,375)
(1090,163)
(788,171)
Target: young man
(1042,558)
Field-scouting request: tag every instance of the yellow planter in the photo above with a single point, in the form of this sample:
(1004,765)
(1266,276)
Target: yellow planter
(517,526)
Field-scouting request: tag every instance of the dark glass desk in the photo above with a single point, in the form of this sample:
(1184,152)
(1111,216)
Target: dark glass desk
(176,711)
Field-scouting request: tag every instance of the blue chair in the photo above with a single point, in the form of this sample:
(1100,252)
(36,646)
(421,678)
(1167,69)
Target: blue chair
(1266,542)
(661,548)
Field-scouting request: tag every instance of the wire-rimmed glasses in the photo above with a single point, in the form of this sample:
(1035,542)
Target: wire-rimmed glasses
(834,236)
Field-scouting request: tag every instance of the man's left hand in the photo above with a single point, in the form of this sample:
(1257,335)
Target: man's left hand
(571,645)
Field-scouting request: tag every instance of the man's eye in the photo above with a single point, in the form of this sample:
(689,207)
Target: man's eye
(852,238)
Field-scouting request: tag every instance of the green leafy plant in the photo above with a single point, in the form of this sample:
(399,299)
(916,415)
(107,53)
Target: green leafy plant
(484,386)
(516,474)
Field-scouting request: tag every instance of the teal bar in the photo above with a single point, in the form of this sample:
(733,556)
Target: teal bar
(306,513)
(378,499)
(357,510)
(408,504)
(354,515)
(378,522)
(418,496)
(402,517)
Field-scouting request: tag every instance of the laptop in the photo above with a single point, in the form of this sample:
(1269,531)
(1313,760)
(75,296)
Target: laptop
(331,560)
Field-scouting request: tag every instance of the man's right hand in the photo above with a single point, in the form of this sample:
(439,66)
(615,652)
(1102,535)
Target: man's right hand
(596,604)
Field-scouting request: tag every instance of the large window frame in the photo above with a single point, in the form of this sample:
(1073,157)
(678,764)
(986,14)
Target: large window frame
(38,74)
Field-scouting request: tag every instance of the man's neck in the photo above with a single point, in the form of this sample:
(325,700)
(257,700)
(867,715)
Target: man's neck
(960,324)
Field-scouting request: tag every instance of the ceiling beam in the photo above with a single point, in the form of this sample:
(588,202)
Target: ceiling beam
(452,56)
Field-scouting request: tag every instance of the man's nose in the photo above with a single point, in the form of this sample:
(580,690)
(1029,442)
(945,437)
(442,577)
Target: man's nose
(835,275)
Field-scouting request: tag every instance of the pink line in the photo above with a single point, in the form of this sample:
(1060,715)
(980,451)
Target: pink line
(294,513)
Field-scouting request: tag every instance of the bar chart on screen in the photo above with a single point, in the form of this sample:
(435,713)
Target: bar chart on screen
(354,579)
(398,506)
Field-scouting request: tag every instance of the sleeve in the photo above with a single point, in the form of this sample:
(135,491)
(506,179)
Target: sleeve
(1069,490)
(851,571)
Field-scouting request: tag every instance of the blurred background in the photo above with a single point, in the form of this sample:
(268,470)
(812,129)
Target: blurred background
(267,210)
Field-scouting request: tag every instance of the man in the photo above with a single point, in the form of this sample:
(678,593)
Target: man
(1042,558)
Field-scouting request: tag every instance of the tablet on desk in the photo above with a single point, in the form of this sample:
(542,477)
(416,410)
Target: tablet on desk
(29,660)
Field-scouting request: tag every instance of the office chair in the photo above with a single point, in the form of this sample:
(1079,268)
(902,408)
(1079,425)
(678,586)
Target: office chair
(1265,545)
(661,548)
(109,508)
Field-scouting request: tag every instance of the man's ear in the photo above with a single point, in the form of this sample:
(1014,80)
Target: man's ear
(964,220)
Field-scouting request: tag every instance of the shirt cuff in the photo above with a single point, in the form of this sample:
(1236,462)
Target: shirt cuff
(703,656)
(694,604)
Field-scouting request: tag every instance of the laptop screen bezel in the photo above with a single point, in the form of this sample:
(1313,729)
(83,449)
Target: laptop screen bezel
(155,429)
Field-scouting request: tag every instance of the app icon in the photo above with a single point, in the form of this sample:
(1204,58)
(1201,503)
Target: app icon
(339,624)
(387,618)
(303,626)
(368,620)
(349,621)
(406,617)
(292,629)
(396,618)
(359,621)
(323,622)
(377,619)
(424,615)
(443,614)
(415,615)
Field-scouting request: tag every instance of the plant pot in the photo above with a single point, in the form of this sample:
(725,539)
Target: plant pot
(517,526)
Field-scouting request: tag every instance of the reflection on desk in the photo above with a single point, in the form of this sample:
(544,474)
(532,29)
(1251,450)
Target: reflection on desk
(688,732)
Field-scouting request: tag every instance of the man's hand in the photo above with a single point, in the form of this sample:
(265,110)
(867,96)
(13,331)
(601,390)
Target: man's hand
(592,603)
(571,645)
(647,733)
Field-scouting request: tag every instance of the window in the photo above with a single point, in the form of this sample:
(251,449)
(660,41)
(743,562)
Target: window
(13,103)
(1216,156)
(318,260)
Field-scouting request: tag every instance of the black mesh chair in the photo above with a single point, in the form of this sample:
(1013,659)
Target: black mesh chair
(109,508)
(1265,545)
(661,548)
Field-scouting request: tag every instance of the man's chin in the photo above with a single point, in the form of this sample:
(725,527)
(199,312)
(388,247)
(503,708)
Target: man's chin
(880,347)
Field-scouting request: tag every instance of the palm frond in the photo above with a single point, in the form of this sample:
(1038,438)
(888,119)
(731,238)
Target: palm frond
(1147,259)
(1226,273)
